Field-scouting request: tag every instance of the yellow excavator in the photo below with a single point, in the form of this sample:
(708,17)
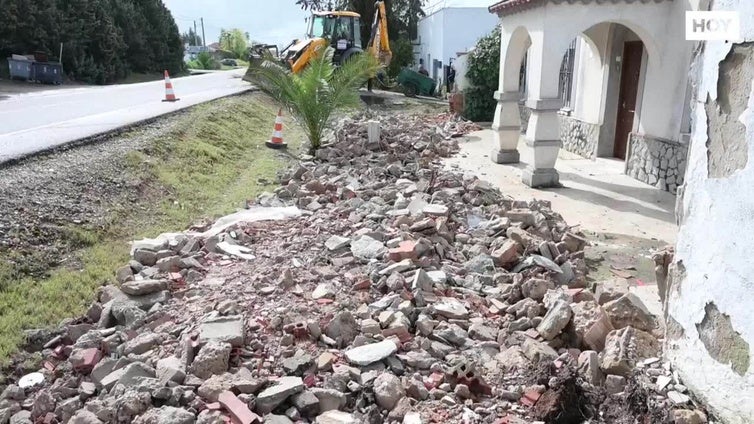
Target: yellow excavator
(341,31)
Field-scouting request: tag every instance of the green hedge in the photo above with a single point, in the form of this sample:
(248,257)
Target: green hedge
(483,75)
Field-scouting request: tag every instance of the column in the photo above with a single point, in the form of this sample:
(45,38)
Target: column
(543,136)
(506,127)
(543,132)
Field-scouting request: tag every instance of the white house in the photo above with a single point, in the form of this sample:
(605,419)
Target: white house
(448,31)
(603,78)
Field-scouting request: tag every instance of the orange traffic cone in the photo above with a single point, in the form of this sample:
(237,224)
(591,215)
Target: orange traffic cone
(276,142)
(169,93)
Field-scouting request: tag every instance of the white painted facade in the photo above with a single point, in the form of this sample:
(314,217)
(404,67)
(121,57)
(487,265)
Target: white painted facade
(713,245)
(542,33)
(448,31)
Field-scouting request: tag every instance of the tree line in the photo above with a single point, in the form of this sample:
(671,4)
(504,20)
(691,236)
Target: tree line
(103,40)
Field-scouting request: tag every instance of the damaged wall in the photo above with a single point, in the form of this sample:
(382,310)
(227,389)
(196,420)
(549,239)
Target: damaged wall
(710,336)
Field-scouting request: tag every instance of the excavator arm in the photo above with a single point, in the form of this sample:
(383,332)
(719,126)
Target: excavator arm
(379,41)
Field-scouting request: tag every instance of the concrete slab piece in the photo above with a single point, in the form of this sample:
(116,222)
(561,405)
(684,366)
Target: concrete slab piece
(228,329)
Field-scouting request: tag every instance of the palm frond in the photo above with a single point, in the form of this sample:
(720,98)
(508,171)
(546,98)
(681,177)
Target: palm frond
(318,91)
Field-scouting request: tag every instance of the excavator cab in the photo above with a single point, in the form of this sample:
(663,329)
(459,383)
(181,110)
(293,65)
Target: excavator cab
(340,29)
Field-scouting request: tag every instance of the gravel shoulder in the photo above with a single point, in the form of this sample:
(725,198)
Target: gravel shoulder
(66,217)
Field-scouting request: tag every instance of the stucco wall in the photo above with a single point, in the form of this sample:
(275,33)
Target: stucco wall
(710,305)
(657,162)
(451,30)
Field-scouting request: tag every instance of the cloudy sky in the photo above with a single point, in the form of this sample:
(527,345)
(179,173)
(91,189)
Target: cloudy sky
(270,21)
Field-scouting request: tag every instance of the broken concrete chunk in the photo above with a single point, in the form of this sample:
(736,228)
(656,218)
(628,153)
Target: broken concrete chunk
(143,287)
(337,242)
(555,320)
(336,417)
(589,367)
(213,358)
(323,291)
(329,399)
(480,264)
(297,364)
(128,376)
(306,403)
(624,347)
(451,308)
(170,369)
(422,281)
(609,290)
(537,351)
(435,210)
(142,343)
(536,288)
(366,247)
(574,243)
(273,396)
(591,325)
(371,353)
(166,415)
(388,390)
(228,329)
(629,310)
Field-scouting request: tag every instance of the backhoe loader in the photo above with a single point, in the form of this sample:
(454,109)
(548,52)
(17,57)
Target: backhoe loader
(341,31)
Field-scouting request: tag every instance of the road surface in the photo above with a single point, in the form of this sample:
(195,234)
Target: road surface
(34,122)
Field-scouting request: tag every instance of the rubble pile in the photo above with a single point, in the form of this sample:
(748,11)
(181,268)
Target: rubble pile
(386,289)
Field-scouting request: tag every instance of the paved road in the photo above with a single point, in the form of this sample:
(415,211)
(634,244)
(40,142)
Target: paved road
(38,121)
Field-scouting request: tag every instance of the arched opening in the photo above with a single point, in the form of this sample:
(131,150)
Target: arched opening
(601,84)
(515,70)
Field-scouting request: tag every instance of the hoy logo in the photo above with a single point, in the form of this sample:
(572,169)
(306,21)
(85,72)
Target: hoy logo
(713,26)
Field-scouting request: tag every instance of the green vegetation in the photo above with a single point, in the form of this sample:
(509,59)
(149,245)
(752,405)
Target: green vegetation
(403,55)
(314,94)
(483,75)
(207,166)
(236,42)
(204,60)
(191,38)
(103,40)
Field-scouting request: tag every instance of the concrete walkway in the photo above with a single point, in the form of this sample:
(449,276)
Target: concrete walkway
(596,195)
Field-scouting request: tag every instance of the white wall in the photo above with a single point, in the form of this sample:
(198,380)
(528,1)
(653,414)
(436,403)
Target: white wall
(431,36)
(462,65)
(589,74)
(714,246)
(452,30)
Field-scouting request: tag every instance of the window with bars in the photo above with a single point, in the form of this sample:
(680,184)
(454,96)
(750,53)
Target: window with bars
(566,75)
(522,76)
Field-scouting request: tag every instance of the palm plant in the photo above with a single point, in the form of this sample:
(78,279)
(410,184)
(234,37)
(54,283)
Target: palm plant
(313,95)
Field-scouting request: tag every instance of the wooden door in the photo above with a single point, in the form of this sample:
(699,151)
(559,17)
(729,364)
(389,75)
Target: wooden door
(629,85)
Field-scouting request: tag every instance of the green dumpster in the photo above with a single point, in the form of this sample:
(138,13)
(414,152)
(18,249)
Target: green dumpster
(414,83)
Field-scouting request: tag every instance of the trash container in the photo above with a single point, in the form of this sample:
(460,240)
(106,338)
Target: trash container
(20,69)
(47,72)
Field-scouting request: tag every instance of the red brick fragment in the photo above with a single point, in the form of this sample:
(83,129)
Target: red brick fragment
(239,412)
(405,250)
(362,284)
(530,398)
(85,360)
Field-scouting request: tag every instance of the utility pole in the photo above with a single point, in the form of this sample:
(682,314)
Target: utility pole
(195,34)
(204,37)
